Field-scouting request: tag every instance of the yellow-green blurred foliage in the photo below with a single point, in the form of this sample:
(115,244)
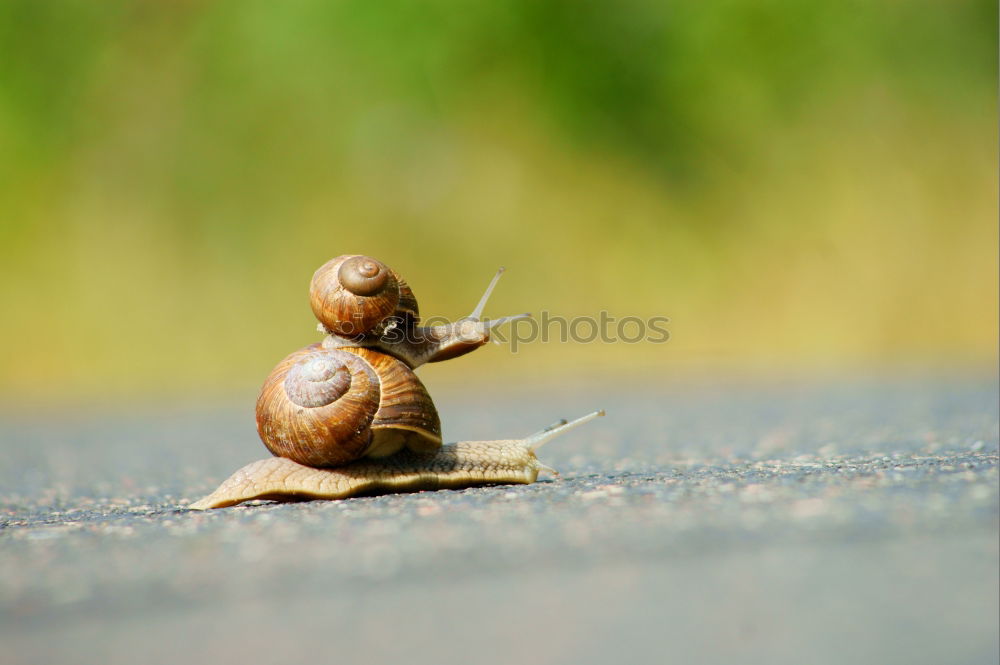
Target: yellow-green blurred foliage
(798,185)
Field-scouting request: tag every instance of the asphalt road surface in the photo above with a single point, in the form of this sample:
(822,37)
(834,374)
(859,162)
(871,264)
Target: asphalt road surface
(800,522)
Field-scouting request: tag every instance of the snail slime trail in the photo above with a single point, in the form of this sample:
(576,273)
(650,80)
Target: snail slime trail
(347,415)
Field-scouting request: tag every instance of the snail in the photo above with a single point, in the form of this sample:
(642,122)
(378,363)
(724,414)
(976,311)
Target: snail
(361,303)
(452,466)
(348,416)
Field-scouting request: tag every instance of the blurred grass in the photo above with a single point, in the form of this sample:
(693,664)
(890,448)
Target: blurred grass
(798,185)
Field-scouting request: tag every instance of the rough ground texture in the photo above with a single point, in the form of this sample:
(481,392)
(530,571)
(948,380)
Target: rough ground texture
(823,523)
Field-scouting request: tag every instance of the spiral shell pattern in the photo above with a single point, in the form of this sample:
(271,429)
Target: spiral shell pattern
(317,379)
(351,294)
(326,407)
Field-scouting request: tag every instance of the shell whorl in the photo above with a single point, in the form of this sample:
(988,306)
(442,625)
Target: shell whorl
(317,379)
(326,407)
(363,275)
(352,294)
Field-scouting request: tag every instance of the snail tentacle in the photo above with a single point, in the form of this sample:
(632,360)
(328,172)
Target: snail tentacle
(478,310)
(540,438)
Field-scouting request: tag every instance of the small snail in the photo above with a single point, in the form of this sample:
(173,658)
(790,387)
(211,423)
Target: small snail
(348,416)
(360,302)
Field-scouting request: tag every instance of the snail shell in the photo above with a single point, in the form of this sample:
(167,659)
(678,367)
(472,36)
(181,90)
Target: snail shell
(325,407)
(352,295)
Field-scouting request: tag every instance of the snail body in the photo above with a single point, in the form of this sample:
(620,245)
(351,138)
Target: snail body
(347,415)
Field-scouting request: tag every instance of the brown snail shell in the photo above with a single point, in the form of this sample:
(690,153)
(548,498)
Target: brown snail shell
(325,407)
(352,295)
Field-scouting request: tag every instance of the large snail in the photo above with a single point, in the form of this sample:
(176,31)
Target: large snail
(347,416)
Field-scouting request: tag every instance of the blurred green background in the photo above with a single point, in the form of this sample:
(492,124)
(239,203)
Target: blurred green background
(799,186)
